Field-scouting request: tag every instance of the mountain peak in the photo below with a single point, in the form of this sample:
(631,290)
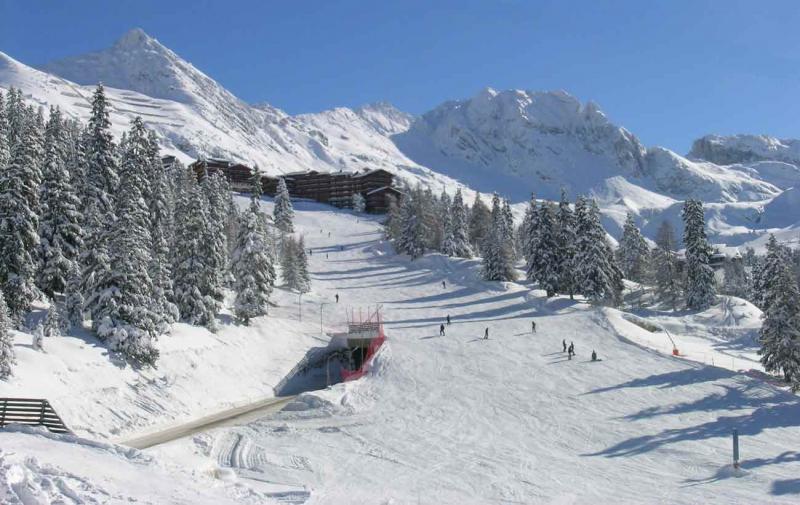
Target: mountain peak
(136,38)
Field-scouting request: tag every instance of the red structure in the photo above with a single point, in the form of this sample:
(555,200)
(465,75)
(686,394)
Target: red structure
(363,339)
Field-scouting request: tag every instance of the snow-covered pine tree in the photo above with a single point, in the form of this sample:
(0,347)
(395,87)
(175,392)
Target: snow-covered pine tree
(251,263)
(498,259)
(301,266)
(444,220)
(426,209)
(700,289)
(125,315)
(19,237)
(759,284)
(283,213)
(412,229)
(15,116)
(60,233)
(665,266)
(191,267)
(161,202)
(214,248)
(780,332)
(565,239)
(598,276)
(5,152)
(8,357)
(457,241)
(392,223)
(359,203)
(529,235)
(52,324)
(480,222)
(73,299)
(543,264)
(289,262)
(633,252)
(508,227)
(100,186)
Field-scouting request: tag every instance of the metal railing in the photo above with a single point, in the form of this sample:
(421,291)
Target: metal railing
(32,412)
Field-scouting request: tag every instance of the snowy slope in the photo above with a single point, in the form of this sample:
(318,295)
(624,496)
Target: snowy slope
(455,419)
(461,420)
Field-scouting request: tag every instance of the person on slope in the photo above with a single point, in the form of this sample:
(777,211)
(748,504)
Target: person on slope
(448,319)
(486,334)
(571,350)
(337,297)
(441,330)
(564,343)
(444,285)
(594,355)
(533,326)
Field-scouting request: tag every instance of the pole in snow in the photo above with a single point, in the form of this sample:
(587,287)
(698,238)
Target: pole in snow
(736,448)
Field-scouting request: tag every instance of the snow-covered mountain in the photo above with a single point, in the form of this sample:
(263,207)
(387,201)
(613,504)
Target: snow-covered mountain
(515,142)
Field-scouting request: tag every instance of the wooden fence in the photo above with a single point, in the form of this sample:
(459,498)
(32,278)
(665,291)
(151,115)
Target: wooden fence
(33,412)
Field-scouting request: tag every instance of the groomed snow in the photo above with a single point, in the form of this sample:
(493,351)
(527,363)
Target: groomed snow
(463,420)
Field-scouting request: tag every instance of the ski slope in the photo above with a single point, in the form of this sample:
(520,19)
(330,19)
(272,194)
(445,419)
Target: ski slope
(462,420)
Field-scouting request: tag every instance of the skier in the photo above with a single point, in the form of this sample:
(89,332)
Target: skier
(337,297)
(564,343)
(444,285)
(571,350)
(594,355)
(533,326)
(448,319)
(311,252)
(329,234)
(441,330)
(486,334)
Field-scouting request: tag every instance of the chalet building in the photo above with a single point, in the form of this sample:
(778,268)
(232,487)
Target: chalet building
(334,188)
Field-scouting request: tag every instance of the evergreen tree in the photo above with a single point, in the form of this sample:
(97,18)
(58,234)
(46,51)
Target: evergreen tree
(60,233)
(444,221)
(498,256)
(543,265)
(215,244)
(760,282)
(100,186)
(393,222)
(8,357)
(5,152)
(480,222)
(359,203)
(301,264)
(598,276)
(124,314)
(700,290)
(19,222)
(73,299)
(508,227)
(566,247)
(192,268)
(780,332)
(252,268)
(52,324)
(457,237)
(529,236)
(412,228)
(665,266)
(161,202)
(283,213)
(633,251)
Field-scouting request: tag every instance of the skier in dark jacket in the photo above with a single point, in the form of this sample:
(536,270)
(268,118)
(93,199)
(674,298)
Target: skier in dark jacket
(594,355)
(564,343)
(448,319)
(337,297)
(486,334)
(571,350)
(444,285)
(533,326)
(441,330)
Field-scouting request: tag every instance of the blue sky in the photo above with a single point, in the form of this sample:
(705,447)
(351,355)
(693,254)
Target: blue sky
(669,71)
